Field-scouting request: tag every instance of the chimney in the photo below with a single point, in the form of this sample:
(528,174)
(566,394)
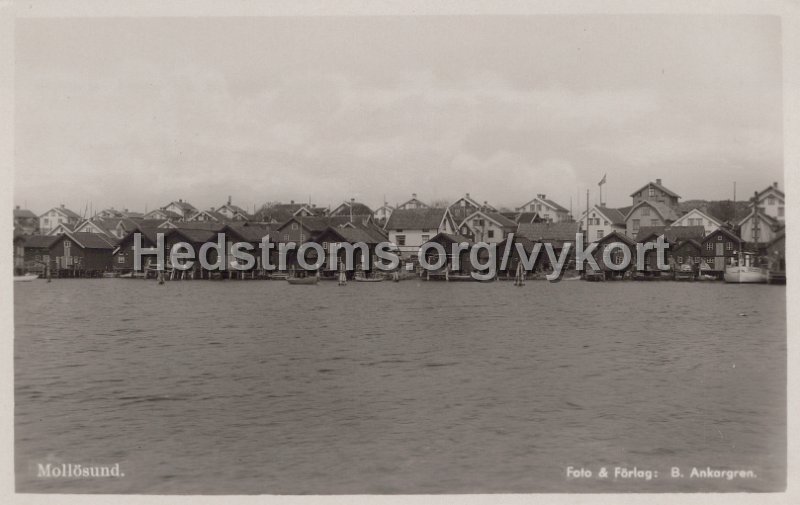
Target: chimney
(658,181)
(414,196)
(775,185)
(229,199)
(541,195)
(62,205)
(180,200)
(292,202)
(16,207)
(467,195)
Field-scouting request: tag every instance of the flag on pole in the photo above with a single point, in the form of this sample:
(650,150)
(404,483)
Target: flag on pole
(602,181)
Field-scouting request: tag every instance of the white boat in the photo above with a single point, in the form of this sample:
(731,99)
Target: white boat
(25,278)
(744,271)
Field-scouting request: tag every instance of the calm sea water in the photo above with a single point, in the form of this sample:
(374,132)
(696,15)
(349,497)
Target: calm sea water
(241,387)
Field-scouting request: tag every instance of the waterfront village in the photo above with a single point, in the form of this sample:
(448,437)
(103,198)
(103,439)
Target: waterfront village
(703,240)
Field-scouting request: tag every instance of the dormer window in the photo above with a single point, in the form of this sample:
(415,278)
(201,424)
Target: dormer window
(651,191)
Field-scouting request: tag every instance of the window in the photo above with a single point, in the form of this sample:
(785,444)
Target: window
(490,233)
(302,237)
(651,192)
(729,246)
(325,246)
(645,211)
(771,200)
(67,244)
(680,259)
(121,258)
(426,238)
(654,222)
(635,224)
(600,234)
(294,226)
(709,246)
(401,240)
(605,223)
(285,237)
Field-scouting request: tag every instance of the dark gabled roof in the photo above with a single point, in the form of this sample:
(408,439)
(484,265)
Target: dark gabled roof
(658,186)
(554,204)
(149,223)
(40,241)
(185,206)
(503,220)
(415,219)
(252,232)
(353,235)
(771,188)
(723,231)
(526,217)
(358,209)
(91,240)
(194,234)
(690,242)
(24,214)
(769,219)
(672,234)
(451,237)
(614,215)
(617,237)
(549,231)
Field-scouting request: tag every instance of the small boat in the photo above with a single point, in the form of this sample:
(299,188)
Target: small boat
(684,273)
(744,271)
(25,278)
(110,275)
(279,276)
(302,281)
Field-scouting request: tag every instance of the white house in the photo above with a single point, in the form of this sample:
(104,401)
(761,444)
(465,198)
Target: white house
(232,212)
(484,226)
(772,202)
(648,213)
(602,221)
(547,209)
(50,220)
(414,203)
(696,217)
(759,227)
(408,229)
(183,209)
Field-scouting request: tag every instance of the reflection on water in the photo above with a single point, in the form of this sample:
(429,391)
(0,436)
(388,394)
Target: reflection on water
(259,387)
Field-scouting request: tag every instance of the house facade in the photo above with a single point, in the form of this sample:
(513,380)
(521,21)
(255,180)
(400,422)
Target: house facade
(601,222)
(772,202)
(408,229)
(56,216)
(81,254)
(758,227)
(413,203)
(696,217)
(547,209)
(181,208)
(382,214)
(485,226)
(718,248)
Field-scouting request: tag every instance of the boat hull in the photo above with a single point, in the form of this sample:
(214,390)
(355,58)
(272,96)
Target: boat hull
(25,278)
(745,275)
(302,281)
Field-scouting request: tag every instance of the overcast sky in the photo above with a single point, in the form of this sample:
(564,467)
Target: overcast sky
(138,112)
